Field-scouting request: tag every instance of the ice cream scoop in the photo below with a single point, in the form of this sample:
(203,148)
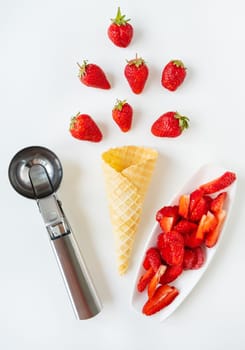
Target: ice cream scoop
(36,173)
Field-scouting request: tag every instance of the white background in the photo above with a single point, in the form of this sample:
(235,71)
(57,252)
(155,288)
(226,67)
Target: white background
(41,41)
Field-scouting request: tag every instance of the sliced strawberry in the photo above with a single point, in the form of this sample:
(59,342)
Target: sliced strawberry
(188,230)
(155,280)
(200,255)
(166,223)
(207,223)
(195,197)
(146,263)
(154,258)
(191,241)
(167,217)
(219,183)
(200,209)
(185,227)
(190,259)
(145,279)
(217,203)
(193,258)
(184,202)
(213,236)
(171,246)
(210,222)
(171,211)
(171,273)
(162,297)
(200,233)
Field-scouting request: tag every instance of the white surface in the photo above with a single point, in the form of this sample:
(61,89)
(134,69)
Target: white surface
(41,41)
(188,279)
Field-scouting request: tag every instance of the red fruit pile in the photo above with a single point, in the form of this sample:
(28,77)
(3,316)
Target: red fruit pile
(187,229)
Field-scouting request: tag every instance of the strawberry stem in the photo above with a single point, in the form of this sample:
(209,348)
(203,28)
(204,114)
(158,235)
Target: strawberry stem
(137,61)
(183,121)
(120,19)
(73,120)
(82,69)
(178,63)
(119,104)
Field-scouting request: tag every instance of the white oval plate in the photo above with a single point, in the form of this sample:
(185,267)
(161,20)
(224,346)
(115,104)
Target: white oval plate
(188,279)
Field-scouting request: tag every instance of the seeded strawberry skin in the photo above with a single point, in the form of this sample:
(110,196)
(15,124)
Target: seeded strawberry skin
(83,127)
(170,124)
(92,75)
(173,75)
(122,114)
(120,32)
(136,72)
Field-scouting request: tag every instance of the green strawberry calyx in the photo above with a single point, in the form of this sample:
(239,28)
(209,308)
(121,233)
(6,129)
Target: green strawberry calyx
(119,19)
(73,121)
(119,104)
(183,121)
(178,63)
(82,68)
(137,61)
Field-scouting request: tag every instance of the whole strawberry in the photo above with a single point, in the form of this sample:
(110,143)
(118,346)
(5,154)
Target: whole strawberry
(136,73)
(92,75)
(170,124)
(83,127)
(120,31)
(173,75)
(122,114)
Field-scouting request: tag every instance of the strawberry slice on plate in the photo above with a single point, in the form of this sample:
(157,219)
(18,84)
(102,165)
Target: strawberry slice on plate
(167,217)
(219,183)
(152,259)
(162,297)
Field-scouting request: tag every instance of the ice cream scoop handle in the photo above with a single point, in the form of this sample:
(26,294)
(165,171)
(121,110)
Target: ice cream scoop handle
(79,285)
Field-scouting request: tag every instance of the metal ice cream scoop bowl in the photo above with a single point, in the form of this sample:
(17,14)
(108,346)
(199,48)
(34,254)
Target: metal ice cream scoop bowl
(36,173)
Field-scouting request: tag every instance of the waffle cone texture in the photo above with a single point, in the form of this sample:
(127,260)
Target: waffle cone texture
(127,171)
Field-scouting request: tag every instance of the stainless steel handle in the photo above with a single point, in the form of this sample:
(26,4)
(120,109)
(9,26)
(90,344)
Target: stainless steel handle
(79,285)
(81,290)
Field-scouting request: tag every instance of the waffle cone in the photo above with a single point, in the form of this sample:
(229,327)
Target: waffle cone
(128,171)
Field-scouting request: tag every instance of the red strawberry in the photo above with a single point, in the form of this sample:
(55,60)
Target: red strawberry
(213,236)
(173,75)
(195,197)
(120,31)
(122,114)
(83,127)
(162,297)
(152,286)
(184,202)
(191,240)
(171,210)
(171,274)
(145,279)
(170,124)
(171,246)
(207,223)
(92,75)
(167,217)
(200,255)
(154,258)
(146,264)
(190,259)
(136,73)
(193,258)
(185,227)
(218,202)
(219,183)
(188,230)
(201,208)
